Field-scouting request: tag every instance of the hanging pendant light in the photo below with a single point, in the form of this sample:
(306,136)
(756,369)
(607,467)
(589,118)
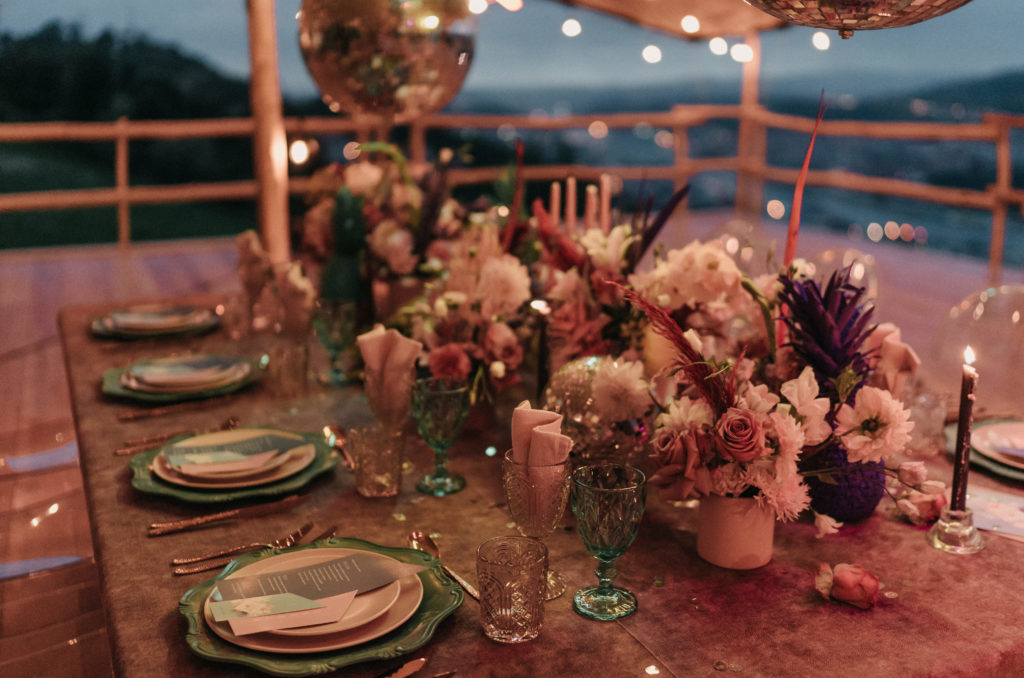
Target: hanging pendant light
(847,16)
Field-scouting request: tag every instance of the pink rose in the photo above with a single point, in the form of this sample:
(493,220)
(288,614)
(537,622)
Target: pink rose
(921,508)
(678,456)
(848,583)
(739,435)
(449,362)
(503,344)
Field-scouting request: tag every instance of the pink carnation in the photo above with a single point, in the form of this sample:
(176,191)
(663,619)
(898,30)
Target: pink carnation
(502,344)
(449,362)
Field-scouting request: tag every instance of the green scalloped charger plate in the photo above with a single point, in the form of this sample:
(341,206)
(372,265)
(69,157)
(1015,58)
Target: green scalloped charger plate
(441,597)
(143,479)
(208,324)
(112,386)
(979,459)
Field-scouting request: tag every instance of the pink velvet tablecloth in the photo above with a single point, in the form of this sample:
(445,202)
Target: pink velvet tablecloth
(940,614)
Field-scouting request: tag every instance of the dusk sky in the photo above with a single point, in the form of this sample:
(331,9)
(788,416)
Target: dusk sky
(527,47)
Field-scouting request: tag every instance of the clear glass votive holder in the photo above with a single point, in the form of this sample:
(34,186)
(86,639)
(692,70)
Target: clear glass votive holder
(954,532)
(376,452)
(512,577)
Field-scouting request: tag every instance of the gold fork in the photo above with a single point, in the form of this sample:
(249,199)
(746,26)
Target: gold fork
(282,542)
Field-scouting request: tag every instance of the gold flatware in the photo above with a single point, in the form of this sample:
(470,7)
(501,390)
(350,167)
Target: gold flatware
(136,415)
(136,445)
(326,534)
(422,542)
(160,529)
(337,438)
(282,542)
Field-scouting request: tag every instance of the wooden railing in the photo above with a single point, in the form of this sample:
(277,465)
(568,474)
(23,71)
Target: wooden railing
(749,164)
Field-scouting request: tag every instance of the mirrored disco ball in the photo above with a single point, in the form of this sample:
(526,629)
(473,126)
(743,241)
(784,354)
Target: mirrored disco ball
(847,16)
(388,60)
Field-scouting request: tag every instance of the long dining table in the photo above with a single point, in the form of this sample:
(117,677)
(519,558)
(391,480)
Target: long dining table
(939,614)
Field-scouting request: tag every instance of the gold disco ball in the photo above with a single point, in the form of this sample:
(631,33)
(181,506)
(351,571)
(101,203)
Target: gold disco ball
(389,61)
(847,16)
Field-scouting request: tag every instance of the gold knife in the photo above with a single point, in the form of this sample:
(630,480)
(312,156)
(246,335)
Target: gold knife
(159,529)
(406,669)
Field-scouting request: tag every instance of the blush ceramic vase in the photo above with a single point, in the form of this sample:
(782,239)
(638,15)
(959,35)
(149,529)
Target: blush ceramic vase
(735,532)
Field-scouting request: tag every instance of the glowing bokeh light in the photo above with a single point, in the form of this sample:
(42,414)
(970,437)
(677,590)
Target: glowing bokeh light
(892,230)
(664,139)
(430,22)
(478,6)
(718,46)
(298,152)
(690,24)
(741,53)
(651,54)
(875,231)
(571,28)
(775,209)
(351,150)
(598,129)
(820,40)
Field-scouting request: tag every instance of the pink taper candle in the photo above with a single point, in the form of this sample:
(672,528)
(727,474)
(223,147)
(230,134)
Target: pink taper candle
(590,208)
(961,460)
(555,209)
(605,218)
(570,204)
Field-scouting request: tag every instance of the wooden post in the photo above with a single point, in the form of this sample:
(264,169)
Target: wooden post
(124,212)
(270,152)
(749,187)
(1004,177)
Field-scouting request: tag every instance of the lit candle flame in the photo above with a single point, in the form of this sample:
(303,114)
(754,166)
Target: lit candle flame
(969,355)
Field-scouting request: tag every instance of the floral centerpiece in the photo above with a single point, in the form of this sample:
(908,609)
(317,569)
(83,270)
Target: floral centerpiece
(471,319)
(371,221)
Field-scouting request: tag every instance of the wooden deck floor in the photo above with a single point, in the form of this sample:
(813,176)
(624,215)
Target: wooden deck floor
(44,523)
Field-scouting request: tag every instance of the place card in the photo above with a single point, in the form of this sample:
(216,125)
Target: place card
(181,454)
(277,603)
(280,611)
(224,462)
(357,572)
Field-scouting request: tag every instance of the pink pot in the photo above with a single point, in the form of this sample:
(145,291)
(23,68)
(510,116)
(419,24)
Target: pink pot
(734,533)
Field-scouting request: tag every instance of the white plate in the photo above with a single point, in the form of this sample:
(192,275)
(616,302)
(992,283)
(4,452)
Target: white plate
(404,606)
(1004,434)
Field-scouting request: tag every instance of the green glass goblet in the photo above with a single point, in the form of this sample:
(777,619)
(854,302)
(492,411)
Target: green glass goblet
(608,502)
(335,323)
(440,408)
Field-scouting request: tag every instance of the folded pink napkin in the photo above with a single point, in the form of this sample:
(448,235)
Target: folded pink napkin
(297,297)
(537,438)
(390,361)
(387,350)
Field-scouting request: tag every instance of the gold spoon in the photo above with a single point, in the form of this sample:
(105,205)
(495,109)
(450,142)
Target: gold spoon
(337,437)
(422,542)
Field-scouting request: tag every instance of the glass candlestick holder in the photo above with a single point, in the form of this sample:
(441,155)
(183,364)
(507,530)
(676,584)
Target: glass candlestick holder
(954,532)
